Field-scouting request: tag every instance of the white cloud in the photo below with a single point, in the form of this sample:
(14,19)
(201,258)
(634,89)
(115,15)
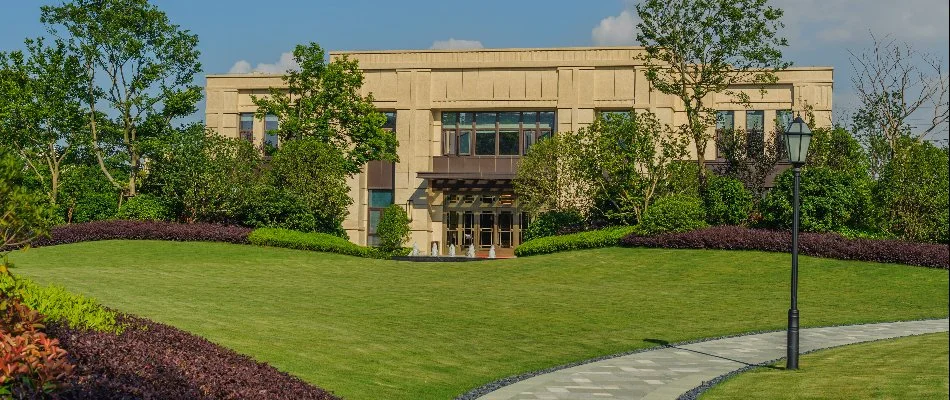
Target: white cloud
(285,63)
(456,44)
(617,30)
(849,21)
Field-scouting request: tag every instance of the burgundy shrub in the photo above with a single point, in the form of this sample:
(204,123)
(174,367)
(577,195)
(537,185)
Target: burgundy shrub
(155,361)
(827,245)
(143,230)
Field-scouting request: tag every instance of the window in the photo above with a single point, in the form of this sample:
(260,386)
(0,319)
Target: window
(725,120)
(378,201)
(390,124)
(755,131)
(507,133)
(783,118)
(270,130)
(725,124)
(246,127)
(606,114)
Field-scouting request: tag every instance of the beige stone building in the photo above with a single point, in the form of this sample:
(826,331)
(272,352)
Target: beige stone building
(465,117)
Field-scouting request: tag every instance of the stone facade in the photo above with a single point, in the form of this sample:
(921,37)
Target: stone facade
(573,83)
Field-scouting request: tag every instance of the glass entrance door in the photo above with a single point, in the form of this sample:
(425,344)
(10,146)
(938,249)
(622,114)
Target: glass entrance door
(482,221)
(486,229)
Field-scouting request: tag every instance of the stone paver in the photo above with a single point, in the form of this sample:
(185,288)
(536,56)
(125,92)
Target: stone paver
(668,372)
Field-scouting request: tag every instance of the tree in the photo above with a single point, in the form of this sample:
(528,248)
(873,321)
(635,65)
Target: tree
(137,64)
(547,179)
(695,48)
(393,228)
(322,102)
(314,172)
(895,84)
(24,215)
(202,176)
(749,158)
(41,115)
(912,196)
(628,159)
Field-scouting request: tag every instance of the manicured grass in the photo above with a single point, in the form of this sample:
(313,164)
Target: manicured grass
(903,368)
(378,329)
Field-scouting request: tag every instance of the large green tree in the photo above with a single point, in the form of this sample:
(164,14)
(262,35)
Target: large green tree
(138,69)
(23,214)
(322,101)
(41,115)
(696,48)
(629,160)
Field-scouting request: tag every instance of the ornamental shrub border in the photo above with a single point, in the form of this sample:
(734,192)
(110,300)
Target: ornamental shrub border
(826,245)
(60,306)
(606,237)
(278,237)
(156,361)
(143,230)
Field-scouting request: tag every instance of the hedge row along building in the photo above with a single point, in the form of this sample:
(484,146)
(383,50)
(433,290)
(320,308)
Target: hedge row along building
(464,119)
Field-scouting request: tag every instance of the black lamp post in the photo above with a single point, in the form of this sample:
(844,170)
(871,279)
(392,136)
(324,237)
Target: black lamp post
(797,138)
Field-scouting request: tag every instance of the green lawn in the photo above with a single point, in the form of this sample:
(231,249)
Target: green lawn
(375,329)
(904,368)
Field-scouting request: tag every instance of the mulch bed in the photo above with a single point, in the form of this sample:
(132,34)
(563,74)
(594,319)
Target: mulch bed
(156,361)
(828,245)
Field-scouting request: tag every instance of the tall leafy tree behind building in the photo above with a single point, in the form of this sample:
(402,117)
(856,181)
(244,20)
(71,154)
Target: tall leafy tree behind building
(41,116)
(137,68)
(697,48)
(322,101)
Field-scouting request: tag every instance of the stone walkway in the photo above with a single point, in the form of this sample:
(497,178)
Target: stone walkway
(669,372)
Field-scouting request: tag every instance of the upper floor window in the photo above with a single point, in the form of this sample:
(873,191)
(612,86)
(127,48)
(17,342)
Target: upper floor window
(755,131)
(270,130)
(783,118)
(507,133)
(725,120)
(246,127)
(390,124)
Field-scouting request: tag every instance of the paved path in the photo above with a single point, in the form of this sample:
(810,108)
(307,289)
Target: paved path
(668,372)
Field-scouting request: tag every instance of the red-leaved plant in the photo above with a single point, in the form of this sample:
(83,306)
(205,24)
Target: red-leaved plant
(32,365)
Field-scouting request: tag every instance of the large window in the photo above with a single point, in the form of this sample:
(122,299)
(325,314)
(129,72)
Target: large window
(725,124)
(270,130)
(783,118)
(755,131)
(378,201)
(508,133)
(246,126)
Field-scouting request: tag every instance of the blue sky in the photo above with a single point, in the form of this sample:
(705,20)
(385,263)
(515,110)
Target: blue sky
(820,31)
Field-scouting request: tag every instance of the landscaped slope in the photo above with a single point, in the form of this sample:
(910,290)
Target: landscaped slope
(374,329)
(904,368)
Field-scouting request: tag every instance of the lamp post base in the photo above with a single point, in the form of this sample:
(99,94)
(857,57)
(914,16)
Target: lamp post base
(792,345)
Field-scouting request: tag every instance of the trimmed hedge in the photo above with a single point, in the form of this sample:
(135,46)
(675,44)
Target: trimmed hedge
(58,305)
(827,245)
(674,213)
(143,230)
(576,241)
(277,237)
(156,361)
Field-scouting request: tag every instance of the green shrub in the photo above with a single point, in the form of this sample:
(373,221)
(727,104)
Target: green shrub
(59,305)
(912,196)
(313,241)
(831,200)
(269,207)
(548,224)
(727,201)
(393,228)
(85,195)
(576,241)
(676,213)
(143,207)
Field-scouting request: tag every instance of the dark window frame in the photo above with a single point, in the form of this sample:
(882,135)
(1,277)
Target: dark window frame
(246,134)
(529,133)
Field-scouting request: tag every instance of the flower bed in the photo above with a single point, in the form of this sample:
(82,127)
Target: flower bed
(827,245)
(143,230)
(155,361)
